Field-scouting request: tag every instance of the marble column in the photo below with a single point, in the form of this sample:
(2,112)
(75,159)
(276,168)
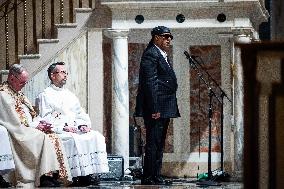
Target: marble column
(226,42)
(238,110)
(120,93)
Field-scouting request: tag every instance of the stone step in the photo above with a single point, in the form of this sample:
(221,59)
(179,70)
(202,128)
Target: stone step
(49,48)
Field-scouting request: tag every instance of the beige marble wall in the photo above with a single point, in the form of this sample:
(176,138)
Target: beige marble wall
(75,57)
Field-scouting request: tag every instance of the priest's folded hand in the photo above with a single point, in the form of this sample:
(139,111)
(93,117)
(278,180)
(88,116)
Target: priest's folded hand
(84,128)
(70,129)
(44,127)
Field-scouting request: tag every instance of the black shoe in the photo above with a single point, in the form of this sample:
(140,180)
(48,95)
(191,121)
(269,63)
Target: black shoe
(77,182)
(159,180)
(147,181)
(88,180)
(56,181)
(84,181)
(93,181)
(46,181)
(3,183)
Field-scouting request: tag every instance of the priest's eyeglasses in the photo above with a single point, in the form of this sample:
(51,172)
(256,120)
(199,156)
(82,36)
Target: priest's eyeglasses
(20,80)
(62,72)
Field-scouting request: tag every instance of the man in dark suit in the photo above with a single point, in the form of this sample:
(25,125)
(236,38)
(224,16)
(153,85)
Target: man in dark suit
(156,101)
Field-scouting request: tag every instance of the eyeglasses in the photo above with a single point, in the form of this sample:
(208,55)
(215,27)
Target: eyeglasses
(63,72)
(167,36)
(21,82)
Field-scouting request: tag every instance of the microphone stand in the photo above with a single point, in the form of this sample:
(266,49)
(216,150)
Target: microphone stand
(223,94)
(211,93)
(222,132)
(210,77)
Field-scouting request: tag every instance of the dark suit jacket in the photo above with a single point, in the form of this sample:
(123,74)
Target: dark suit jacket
(157,86)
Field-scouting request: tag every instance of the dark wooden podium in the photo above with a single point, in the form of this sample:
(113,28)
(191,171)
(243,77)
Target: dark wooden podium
(263,69)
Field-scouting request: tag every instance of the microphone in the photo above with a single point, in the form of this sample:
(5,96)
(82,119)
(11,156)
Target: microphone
(188,56)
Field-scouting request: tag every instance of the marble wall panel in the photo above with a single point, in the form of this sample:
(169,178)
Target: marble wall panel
(210,59)
(135,52)
(107,94)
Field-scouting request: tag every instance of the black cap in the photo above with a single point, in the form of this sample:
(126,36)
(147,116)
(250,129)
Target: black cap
(159,30)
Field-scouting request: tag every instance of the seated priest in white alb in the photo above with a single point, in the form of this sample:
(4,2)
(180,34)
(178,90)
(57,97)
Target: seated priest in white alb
(85,148)
(6,157)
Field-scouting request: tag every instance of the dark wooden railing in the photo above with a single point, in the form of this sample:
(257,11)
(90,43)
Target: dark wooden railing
(22,22)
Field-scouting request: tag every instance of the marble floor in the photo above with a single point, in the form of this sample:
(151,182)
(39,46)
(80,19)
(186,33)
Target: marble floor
(174,185)
(177,184)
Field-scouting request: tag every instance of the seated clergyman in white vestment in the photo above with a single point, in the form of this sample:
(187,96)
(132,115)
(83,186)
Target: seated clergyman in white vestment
(37,153)
(6,157)
(85,148)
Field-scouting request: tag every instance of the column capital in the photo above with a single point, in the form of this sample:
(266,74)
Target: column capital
(116,33)
(244,34)
(242,38)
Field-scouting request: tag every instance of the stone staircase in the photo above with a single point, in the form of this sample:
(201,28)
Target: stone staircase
(49,48)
